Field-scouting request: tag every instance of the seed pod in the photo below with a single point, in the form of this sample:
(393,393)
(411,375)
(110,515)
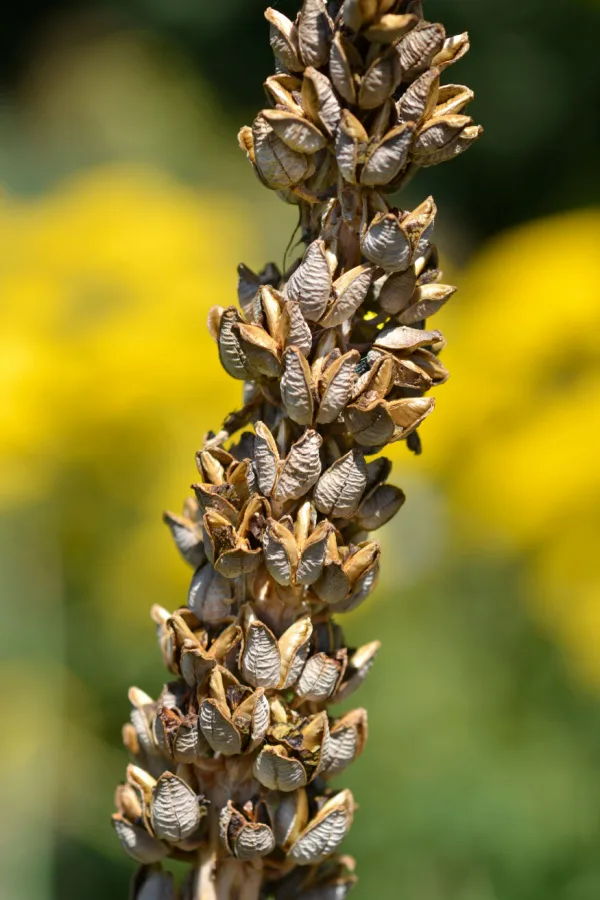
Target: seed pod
(296,387)
(301,468)
(347,741)
(289,814)
(379,506)
(233,359)
(437,134)
(427,300)
(389,157)
(245,840)
(387,244)
(284,40)
(319,100)
(312,557)
(187,537)
(390,27)
(452,99)
(350,291)
(176,811)
(298,133)
(325,832)
(153,884)
(319,678)
(340,70)
(454,48)
(340,489)
(278,166)
(380,80)
(358,13)
(314,33)
(280,552)
(406,339)
(350,145)
(335,387)
(294,646)
(210,595)
(218,729)
(295,329)
(397,291)
(420,98)
(311,283)
(137,843)
(266,458)
(418,48)
(359,666)
(261,351)
(260,661)
(276,771)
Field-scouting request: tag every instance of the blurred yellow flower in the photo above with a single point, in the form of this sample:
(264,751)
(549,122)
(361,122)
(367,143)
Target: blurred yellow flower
(516,434)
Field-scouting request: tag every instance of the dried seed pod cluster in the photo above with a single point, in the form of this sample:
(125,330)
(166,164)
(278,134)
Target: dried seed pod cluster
(231,764)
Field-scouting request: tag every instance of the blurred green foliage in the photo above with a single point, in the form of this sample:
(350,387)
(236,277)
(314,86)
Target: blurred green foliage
(480,778)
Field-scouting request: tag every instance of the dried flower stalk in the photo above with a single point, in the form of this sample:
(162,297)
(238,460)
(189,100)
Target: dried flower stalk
(232,763)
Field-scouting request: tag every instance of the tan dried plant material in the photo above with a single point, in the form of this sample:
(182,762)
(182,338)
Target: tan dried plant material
(231,763)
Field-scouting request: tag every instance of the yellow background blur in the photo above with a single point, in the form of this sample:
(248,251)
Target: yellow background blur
(125,212)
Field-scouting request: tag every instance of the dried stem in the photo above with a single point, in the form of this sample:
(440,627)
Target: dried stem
(232,762)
